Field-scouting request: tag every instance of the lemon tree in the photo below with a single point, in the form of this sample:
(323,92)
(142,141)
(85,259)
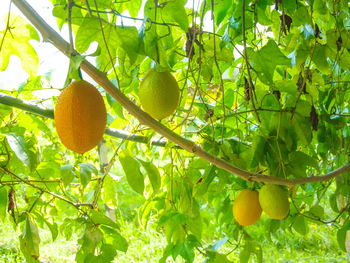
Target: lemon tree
(203,99)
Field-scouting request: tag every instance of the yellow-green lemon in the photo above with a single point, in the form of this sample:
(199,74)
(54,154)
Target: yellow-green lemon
(274,201)
(159,94)
(246,208)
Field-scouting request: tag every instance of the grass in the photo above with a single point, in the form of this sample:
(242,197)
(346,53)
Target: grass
(145,246)
(60,251)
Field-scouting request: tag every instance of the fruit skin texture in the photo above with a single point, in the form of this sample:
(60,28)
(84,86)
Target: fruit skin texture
(80,116)
(274,201)
(246,208)
(159,94)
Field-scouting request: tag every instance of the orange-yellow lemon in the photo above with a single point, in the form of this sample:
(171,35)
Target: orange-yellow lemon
(246,207)
(80,116)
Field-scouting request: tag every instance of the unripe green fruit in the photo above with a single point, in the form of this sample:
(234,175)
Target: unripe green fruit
(159,94)
(274,201)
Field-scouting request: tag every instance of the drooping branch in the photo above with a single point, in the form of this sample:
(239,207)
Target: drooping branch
(76,205)
(117,133)
(100,77)
(27,106)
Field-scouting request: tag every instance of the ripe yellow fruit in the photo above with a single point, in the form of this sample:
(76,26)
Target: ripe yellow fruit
(246,208)
(159,94)
(274,201)
(80,116)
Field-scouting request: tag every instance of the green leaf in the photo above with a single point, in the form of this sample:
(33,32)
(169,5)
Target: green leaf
(109,194)
(89,31)
(175,10)
(244,255)
(16,42)
(195,225)
(67,228)
(113,236)
(302,159)
(90,240)
(341,235)
(53,229)
(153,174)
(48,170)
(104,4)
(302,127)
(185,251)
(4,111)
(303,108)
(3,202)
(201,186)
(302,17)
(332,37)
(117,108)
(320,58)
(124,37)
(132,171)
(108,252)
(251,248)
(173,223)
(30,240)
(60,11)
(258,151)
(19,147)
(333,202)
(74,66)
(33,123)
(266,59)
(222,7)
(86,170)
(99,218)
(149,37)
(172,217)
(67,174)
(218,258)
(317,211)
(300,225)
(320,7)
(287,86)
(129,41)
(133,7)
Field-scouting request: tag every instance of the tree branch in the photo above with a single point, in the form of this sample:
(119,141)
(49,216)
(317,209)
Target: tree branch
(77,205)
(100,77)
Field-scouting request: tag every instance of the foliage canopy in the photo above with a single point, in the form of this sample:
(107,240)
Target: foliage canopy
(264,87)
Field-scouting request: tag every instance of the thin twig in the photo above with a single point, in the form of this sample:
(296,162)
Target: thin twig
(76,205)
(222,88)
(7,26)
(107,47)
(250,80)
